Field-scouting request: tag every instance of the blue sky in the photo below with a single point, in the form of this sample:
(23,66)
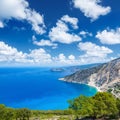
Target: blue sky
(58,33)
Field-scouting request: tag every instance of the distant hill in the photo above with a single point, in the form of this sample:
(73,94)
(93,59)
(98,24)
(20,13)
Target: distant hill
(76,68)
(72,69)
(105,77)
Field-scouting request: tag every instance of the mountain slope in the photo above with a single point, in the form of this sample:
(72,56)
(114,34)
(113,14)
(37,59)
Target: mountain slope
(105,77)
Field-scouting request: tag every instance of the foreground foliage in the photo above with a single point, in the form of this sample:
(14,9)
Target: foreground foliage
(102,105)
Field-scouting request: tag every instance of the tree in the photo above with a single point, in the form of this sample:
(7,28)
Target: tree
(2,111)
(9,114)
(118,105)
(82,105)
(23,114)
(104,104)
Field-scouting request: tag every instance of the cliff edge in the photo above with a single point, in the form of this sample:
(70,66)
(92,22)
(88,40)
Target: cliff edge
(105,77)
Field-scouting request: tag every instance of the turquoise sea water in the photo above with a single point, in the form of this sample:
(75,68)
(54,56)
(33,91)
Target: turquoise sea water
(38,88)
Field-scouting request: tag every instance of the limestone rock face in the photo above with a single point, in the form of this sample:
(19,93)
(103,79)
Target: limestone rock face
(105,77)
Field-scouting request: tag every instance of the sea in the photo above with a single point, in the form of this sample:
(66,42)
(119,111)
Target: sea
(38,88)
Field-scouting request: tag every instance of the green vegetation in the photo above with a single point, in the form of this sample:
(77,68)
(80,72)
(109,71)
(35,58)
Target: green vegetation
(11,114)
(103,105)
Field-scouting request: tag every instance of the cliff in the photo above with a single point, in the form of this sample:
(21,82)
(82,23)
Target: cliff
(105,77)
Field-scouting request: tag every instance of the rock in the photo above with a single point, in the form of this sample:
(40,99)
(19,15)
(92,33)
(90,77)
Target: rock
(104,77)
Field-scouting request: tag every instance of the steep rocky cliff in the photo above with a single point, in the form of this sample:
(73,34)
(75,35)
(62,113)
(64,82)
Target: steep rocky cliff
(105,77)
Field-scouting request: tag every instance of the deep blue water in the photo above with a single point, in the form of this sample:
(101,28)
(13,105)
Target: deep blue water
(38,88)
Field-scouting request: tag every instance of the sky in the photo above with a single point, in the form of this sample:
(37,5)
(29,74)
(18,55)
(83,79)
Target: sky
(59,32)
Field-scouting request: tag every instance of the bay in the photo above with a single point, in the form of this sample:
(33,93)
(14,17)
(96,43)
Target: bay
(38,88)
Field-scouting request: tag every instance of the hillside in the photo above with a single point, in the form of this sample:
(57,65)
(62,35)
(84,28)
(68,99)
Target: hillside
(105,77)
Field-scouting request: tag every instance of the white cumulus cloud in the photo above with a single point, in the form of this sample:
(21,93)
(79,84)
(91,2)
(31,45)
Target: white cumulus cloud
(92,49)
(61,33)
(10,54)
(40,57)
(93,53)
(61,59)
(43,42)
(71,57)
(72,20)
(91,8)
(109,36)
(85,34)
(20,10)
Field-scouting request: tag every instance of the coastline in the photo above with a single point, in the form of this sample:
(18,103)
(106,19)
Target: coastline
(89,84)
(97,88)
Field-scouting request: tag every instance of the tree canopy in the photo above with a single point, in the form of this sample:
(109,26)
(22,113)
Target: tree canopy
(103,104)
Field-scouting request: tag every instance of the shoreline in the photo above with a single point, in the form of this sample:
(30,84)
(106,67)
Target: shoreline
(90,84)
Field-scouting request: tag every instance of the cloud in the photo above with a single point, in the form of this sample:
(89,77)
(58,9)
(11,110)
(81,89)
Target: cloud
(40,57)
(20,10)
(93,53)
(36,20)
(85,34)
(93,50)
(72,20)
(19,28)
(34,38)
(85,60)
(91,8)
(43,42)
(61,59)
(61,33)
(109,36)
(10,54)
(1,24)
(71,57)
